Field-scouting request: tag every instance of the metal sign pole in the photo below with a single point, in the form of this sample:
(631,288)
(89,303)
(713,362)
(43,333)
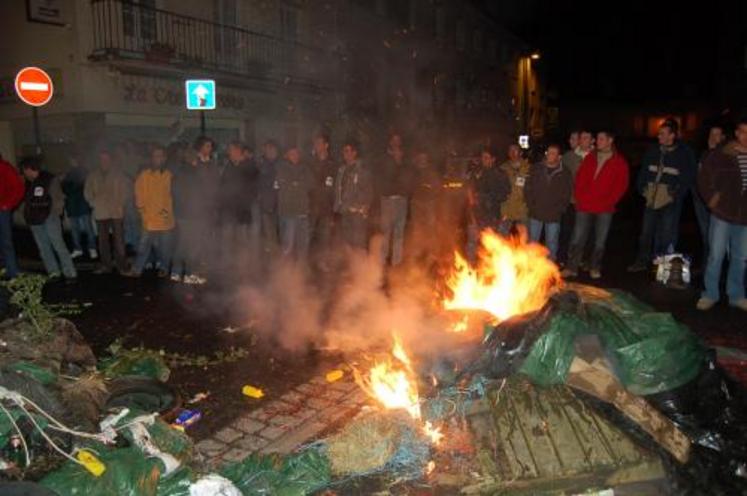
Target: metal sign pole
(37,131)
(202,122)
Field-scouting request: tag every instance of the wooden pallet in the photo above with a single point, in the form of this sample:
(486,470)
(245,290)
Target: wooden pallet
(546,441)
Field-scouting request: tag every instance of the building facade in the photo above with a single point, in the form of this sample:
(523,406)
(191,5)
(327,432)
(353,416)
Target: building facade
(284,69)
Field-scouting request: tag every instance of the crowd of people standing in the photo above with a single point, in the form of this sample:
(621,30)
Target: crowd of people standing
(188,208)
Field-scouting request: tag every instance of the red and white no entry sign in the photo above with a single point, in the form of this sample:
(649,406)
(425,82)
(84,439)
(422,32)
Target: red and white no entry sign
(34,86)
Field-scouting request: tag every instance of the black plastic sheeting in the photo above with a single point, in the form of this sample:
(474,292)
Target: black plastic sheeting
(710,409)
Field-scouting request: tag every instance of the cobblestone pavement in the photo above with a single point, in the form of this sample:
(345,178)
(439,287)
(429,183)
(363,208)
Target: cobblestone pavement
(281,425)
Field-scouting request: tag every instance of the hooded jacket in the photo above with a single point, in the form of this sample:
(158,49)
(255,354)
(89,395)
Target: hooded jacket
(43,199)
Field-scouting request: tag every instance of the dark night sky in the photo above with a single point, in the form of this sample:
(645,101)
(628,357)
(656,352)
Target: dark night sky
(633,52)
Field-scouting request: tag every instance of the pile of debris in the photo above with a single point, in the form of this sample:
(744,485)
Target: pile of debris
(593,390)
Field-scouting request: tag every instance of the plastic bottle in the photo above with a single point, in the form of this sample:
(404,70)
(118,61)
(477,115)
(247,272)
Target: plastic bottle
(334,375)
(252,392)
(91,463)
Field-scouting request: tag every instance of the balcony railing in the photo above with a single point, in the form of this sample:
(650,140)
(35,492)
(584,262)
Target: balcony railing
(126,30)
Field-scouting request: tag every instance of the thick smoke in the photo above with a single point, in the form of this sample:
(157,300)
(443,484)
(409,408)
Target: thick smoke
(351,308)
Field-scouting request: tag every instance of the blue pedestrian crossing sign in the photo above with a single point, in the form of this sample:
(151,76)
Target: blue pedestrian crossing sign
(200,94)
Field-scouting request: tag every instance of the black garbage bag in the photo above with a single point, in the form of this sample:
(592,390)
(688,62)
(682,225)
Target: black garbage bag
(507,345)
(712,411)
(707,473)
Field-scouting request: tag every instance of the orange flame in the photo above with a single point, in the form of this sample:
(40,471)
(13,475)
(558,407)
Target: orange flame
(434,433)
(392,383)
(512,277)
(462,325)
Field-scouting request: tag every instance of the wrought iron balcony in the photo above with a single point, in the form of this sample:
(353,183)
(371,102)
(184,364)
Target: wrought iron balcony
(124,30)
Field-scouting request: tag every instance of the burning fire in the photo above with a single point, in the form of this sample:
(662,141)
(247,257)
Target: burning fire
(512,277)
(462,325)
(392,383)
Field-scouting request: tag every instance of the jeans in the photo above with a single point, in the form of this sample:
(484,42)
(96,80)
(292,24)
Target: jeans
(581,231)
(269,226)
(294,236)
(7,250)
(423,223)
(566,230)
(116,226)
(506,226)
(188,253)
(703,217)
(322,231)
(82,225)
(132,224)
(552,235)
(48,238)
(723,235)
(158,241)
(657,232)
(393,221)
(354,230)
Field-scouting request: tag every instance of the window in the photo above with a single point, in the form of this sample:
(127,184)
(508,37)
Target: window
(461,35)
(367,4)
(399,12)
(477,41)
(225,13)
(289,23)
(138,19)
(493,50)
(381,7)
(439,27)
(461,93)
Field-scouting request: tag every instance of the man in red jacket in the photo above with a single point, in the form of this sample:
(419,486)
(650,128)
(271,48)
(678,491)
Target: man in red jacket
(601,181)
(11,194)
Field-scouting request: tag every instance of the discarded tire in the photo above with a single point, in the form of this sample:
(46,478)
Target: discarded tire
(146,394)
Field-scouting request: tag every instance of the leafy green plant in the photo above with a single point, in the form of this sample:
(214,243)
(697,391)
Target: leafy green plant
(117,349)
(26,294)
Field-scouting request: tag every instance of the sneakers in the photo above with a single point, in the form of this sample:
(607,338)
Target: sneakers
(54,275)
(130,273)
(102,270)
(76,253)
(194,279)
(740,304)
(706,303)
(93,254)
(568,273)
(595,274)
(638,267)
(176,277)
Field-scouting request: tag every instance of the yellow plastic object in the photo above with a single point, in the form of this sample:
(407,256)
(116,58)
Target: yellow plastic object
(252,392)
(335,375)
(91,463)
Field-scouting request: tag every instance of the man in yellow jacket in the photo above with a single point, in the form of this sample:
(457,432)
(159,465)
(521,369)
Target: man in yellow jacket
(154,202)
